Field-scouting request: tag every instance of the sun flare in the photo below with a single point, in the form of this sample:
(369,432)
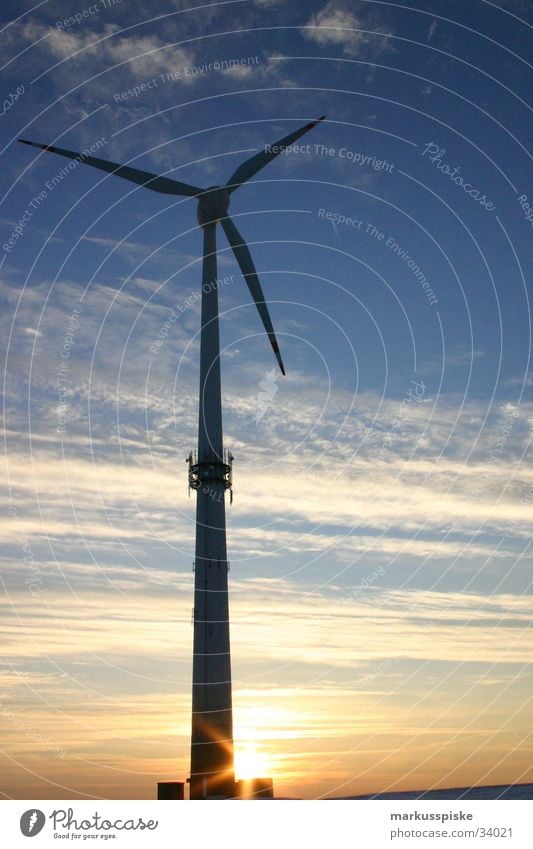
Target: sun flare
(250,762)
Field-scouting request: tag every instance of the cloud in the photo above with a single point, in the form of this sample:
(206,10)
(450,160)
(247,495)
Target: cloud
(321,472)
(292,624)
(134,73)
(98,495)
(142,55)
(336,24)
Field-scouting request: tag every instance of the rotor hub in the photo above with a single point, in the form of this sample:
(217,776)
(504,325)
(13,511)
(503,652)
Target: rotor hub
(213,205)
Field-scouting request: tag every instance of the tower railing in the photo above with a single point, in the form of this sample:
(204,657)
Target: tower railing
(209,469)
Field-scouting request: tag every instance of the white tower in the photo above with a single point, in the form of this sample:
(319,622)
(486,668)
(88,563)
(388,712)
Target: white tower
(212,768)
(212,772)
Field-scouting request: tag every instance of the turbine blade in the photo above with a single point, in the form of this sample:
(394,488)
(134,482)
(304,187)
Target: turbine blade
(142,178)
(245,261)
(253,165)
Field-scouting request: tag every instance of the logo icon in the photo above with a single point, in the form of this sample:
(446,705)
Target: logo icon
(32,822)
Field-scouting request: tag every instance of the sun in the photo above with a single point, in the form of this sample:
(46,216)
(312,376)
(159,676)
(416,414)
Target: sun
(250,762)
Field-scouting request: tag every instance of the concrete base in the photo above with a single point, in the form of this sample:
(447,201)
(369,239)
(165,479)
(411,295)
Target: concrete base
(248,788)
(170,790)
(254,788)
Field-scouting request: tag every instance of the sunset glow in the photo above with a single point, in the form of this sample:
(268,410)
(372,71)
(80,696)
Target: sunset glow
(250,762)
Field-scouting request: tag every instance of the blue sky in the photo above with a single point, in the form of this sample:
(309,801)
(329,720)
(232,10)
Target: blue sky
(379,536)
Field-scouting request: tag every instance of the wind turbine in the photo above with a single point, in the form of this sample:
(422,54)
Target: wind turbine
(210,469)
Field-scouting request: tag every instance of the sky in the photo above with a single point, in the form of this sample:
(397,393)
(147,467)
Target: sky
(379,536)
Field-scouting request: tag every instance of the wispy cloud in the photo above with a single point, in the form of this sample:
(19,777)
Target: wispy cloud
(145,55)
(357,33)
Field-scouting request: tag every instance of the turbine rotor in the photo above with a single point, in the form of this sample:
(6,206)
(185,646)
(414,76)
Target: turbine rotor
(213,205)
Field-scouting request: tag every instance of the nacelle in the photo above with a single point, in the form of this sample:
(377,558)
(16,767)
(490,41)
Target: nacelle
(213,205)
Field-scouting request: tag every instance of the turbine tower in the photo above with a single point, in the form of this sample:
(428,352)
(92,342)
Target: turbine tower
(212,763)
